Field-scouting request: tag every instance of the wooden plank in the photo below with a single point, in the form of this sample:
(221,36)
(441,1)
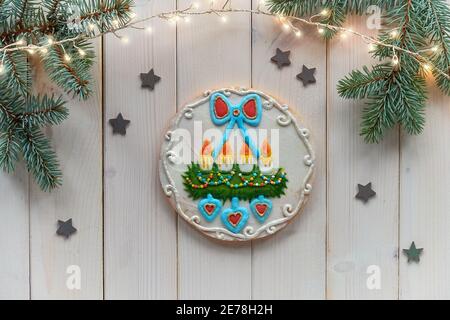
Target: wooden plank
(292,264)
(140,227)
(210,55)
(14,235)
(424,203)
(359,235)
(78,145)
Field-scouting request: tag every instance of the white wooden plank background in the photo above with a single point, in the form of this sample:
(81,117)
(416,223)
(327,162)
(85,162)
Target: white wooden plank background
(301,270)
(130,244)
(359,235)
(140,227)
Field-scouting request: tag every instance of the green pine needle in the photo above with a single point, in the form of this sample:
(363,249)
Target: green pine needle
(40,159)
(69,65)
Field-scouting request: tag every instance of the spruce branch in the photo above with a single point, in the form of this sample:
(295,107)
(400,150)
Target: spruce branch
(19,72)
(436,23)
(58,38)
(70,71)
(396,93)
(43,111)
(9,147)
(361,84)
(20,123)
(40,159)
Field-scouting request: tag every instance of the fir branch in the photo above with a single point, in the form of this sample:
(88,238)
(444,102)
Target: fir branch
(73,76)
(360,84)
(40,159)
(52,7)
(9,148)
(377,116)
(396,94)
(410,102)
(301,8)
(436,23)
(19,72)
(44,111)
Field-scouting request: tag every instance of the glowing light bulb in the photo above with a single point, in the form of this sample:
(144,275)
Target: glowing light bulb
(133,15)
(187,19)
(372,46)
(224,19)
(115,23)
(81,52)
(286,26)
(2,68)
(395,60)
(435,48)
(325,12)
(31,51)
(91,26)
(195,5)
(20,42)
(44,50)
(125,40)
(149,29)
(298,33)
(394,34)
(67,58)
(427,67)
(321,30)
(50,40)
(343,36)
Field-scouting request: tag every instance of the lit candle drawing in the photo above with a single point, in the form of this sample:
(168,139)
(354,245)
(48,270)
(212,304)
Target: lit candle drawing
(266,164)
(206,159)
(247,159)
(226,157)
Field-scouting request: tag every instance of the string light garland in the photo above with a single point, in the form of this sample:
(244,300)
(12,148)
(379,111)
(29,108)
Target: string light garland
(288,23)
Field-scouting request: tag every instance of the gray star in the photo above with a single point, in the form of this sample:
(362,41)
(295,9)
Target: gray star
(281,58)
(307,76)
(119,125)
(149,79)
(413,253)
(365,192)
(65,228)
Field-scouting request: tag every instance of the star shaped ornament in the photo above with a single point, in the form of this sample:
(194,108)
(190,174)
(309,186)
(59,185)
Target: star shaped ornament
(307,76)
(65,228)
(281,58)
(149,79)
(365,192)
(413,253)
(119,125)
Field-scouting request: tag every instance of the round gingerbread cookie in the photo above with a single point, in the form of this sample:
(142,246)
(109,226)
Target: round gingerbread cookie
(236,164)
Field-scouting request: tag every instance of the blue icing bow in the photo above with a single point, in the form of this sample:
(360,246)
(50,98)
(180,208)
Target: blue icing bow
(248,111)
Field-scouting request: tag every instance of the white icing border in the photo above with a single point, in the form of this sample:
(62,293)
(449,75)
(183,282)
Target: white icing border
(289,211)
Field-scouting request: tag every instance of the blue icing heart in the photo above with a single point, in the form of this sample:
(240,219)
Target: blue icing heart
(234,218)
(209,207)
(261,208)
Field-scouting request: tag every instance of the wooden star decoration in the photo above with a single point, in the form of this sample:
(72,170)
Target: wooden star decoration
(365,192)
(413,253)
(119,125)
(149,79)
(307,76)
(281,58)
(65,228)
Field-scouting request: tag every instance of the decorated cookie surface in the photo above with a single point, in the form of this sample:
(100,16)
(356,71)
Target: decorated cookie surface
(236,164)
